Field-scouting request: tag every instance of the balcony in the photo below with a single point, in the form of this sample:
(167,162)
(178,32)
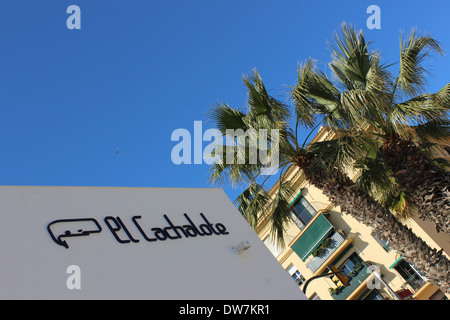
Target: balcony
(316,262)
(355,280)
(312,236)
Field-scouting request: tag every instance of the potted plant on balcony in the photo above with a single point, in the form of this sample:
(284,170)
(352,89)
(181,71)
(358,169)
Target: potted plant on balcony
(326,243)
(355,270)
(319,251)
(336,290)
(323,246)
(353,273)
(357,266)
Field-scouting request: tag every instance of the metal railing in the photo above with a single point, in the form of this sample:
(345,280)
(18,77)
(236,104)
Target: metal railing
(316,262)
(355,282)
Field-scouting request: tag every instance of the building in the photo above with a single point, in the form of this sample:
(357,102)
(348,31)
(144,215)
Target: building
(132,243)
(320,239)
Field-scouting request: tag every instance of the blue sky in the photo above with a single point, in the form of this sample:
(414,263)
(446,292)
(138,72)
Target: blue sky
(137,70)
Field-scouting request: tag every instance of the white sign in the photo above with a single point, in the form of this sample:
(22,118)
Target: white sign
(132,243)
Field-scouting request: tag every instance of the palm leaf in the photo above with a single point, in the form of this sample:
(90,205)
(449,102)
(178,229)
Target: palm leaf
(299,94)
(260,103)
(350,57)
(251,202)
(342,151)
(225,117)
(414,50)
(280,211)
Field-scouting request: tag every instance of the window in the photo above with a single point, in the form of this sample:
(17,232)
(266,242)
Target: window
(299,279)
(352,263)
(303,212)
(295,274)
(410,274)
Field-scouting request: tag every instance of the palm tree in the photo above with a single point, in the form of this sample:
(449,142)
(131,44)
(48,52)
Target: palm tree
(375,99)
(353,200)
(323,164)
(264,113)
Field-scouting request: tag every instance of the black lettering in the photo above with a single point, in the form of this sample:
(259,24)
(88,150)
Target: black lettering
(206,229)
(193,226)
(189,230)
(142,231)
(118,229)
(126,230)
(160,234)
(175,228)
(168,234)
(115,229)
(209,224)
(221,228)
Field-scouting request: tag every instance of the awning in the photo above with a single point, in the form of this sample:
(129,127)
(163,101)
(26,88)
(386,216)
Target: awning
(312,237)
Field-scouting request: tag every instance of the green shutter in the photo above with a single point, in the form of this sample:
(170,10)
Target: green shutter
(312,237)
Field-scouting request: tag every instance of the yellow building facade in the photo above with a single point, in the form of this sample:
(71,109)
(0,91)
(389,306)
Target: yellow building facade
(320,239)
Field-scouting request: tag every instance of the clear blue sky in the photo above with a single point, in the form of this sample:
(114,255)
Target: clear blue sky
(139,69)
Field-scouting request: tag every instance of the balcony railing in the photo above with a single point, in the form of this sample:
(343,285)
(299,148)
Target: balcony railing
(354,282)
(415,282)
(316,262)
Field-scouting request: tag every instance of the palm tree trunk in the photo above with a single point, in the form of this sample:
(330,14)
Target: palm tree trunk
(343,192)
(427,184)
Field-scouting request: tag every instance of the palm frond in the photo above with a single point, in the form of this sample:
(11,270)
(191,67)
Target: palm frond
(419,109)
(280,211)
(261,104)
(442,97)
(236,165)
(436,130)
(376,179)
(224,117)
(379,79)
(342,151)
(251,202)
(315,97)
(372,172)
(299,94)
(363,106)
(414,50)
(351,60)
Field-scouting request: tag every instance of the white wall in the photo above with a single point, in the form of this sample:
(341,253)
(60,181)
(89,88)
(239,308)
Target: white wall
(33,266)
